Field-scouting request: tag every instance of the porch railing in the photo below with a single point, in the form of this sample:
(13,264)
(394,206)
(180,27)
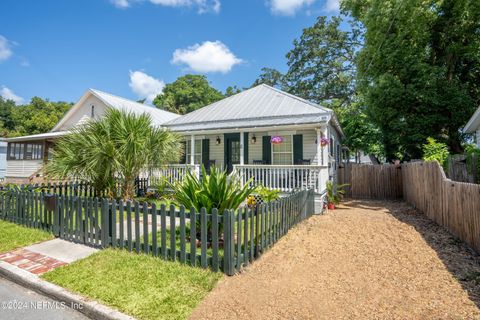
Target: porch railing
(171,172)
(286,178)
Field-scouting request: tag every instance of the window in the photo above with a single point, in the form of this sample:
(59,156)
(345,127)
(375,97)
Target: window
(25,151)
(198,151)
(282,153)
(93,111)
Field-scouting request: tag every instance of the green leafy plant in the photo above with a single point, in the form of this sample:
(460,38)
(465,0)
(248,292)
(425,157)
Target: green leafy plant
(215,190)
(435,151)
(114,149)
(335,193)
(268,195)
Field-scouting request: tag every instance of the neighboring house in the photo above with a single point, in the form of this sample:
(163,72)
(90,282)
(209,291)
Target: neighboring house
(26,155)
(473,126)
(3,160)
(263,133)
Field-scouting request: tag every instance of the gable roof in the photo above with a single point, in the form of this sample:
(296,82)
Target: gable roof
(474,123)
(259,106)
(158,116)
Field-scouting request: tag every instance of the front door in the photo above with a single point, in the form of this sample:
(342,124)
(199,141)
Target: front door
(232,150)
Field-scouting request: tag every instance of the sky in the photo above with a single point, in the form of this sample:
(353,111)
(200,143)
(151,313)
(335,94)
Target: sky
(57,49)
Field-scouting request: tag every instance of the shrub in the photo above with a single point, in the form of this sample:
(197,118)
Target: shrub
(335,193)
(435,151)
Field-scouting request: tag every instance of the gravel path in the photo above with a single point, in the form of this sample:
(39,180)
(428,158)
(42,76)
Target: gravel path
(367,260)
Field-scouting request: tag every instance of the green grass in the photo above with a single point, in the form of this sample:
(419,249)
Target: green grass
(142,286)
(13,236)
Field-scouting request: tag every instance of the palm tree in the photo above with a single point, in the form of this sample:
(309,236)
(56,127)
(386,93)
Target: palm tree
(120,146)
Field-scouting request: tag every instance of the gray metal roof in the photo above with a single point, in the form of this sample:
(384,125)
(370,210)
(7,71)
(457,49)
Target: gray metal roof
(158,116)
(255,107)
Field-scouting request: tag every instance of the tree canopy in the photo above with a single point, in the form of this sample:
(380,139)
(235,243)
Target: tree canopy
(38,116)
(186,94)
(418,70)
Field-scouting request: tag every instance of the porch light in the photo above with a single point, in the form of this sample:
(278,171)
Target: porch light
(254,139)
(218,141)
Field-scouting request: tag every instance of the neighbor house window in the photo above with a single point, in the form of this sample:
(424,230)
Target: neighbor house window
(282,153)
(25,151)
(198,152)
(93,111)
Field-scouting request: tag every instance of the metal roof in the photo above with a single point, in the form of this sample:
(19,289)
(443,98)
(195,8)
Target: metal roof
(259,106)
(40,136)
(158,116)
(474,123)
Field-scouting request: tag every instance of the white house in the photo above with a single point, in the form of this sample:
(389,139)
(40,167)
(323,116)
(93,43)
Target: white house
(473,126)
(26,155)
(280,140)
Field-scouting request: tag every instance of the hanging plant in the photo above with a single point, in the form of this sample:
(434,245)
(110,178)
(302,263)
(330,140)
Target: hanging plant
(276,140)
(324,141)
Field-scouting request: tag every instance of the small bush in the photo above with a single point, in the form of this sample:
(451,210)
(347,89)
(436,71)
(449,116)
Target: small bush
(435,151)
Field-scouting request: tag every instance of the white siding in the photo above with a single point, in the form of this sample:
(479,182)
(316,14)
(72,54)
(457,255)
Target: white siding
(23,168)
(3,159)
(85,111)
(255,149)
(478,137)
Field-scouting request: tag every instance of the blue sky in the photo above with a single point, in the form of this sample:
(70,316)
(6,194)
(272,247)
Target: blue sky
(57,49)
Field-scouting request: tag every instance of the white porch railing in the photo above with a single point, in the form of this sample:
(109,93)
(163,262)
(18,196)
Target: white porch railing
(172,172)
(285,177)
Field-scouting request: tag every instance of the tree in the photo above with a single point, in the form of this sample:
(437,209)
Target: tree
(38,116)
(6,122)
(418,70)
(271,77)
(322,62)
(230,91)
(186,94)
(120,145)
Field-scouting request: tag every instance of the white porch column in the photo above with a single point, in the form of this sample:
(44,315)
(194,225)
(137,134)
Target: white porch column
(322,152)
(319,147)
(192,149)
(242,160)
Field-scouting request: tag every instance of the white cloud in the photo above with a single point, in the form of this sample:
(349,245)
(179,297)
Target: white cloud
(288,7)
(8,94)
(5,48)
(121,3)
(145,86)
(332,5)
(210,56)
(202,6)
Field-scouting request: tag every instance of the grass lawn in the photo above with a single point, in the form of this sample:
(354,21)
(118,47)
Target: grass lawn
(140,285)
(13,236)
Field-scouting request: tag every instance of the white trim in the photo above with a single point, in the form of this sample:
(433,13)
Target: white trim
(469,127)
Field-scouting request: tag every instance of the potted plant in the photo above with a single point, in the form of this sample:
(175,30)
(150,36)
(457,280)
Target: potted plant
(335,194)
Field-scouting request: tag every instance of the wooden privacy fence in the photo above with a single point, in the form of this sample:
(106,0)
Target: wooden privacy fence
(454,205)
(371,181)
(222,241)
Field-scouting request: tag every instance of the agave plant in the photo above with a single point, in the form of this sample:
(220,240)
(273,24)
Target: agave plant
(215,190)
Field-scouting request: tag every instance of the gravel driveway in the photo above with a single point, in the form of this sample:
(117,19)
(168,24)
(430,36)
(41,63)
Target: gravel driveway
(367,260)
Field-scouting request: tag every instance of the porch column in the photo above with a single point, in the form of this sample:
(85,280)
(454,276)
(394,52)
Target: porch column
(322,153)
(242,158)
(192,149)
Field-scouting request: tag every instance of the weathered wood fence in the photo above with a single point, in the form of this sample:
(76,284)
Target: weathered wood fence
(463,168)
(371,181)
(454,205)
(222,241)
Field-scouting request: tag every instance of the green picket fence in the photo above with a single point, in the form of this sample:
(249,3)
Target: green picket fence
(221,241)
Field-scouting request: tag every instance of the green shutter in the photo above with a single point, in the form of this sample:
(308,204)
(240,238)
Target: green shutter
(245,147)
(206,153)
(297,149)
(183,160)
(266,150)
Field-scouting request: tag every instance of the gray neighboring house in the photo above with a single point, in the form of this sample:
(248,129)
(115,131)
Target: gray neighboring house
(473,126)
(3,159)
